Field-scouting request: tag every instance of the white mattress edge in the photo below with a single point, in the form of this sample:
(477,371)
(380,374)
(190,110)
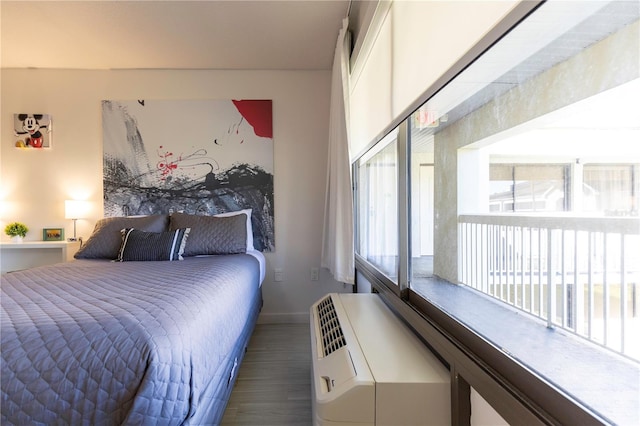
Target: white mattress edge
(263,263)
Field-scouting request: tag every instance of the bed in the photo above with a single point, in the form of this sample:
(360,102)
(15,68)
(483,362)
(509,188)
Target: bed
(134,341)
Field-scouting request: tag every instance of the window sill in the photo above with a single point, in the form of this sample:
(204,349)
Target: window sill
(606,384)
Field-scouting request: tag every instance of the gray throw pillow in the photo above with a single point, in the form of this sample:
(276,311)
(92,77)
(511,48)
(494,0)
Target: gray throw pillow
(106,238)
(211,234)
(152,246)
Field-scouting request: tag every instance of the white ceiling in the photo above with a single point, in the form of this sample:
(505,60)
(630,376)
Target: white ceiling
(235,34)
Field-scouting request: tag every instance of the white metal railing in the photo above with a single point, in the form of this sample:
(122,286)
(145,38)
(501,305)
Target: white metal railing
(580,274)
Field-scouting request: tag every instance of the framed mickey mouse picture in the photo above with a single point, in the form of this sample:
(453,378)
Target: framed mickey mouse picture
(32,130)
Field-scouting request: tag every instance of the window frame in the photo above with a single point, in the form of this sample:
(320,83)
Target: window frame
(400,288)
(517,393)
(358,185)
(565,170)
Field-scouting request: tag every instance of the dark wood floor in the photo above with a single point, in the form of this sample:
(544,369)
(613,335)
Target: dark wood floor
(273,387)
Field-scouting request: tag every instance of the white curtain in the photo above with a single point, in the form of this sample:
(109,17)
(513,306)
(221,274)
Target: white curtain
(337,239)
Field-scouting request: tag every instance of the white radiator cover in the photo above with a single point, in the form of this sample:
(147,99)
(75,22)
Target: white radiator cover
(371,369)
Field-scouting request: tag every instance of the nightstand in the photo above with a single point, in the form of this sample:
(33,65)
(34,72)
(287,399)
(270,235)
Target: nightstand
(28,254)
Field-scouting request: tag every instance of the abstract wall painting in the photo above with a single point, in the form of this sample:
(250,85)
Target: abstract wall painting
(193,156)
(32,130)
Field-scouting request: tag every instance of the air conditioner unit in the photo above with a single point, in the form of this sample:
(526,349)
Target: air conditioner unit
(371,369)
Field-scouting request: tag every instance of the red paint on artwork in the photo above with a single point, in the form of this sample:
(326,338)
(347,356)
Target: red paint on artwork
(259,114)
(167,164)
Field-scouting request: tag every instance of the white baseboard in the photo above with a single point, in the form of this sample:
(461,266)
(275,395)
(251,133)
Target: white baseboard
(293,318)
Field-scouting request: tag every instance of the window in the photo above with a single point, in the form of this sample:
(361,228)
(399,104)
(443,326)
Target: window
(531,167)
(378,206)
(611,189)
(522,180)
(528,188)
(422,196)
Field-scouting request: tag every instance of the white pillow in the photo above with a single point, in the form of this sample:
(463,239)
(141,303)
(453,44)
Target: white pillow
(249,226)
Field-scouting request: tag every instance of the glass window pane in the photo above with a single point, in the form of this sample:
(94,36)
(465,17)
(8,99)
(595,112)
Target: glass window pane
(422,196)
(611,189)
(378,206)
(528,188)
(537,133)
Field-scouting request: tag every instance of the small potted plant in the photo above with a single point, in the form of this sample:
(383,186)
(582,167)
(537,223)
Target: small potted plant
(16,231)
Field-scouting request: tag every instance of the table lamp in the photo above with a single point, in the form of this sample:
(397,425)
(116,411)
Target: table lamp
(76,209)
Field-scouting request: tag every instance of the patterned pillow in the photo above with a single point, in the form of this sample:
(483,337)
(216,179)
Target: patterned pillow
(211,234)
(148,246)
(106,239)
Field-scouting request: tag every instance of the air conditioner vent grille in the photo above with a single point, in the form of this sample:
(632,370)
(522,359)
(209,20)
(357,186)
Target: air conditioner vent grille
(332,335)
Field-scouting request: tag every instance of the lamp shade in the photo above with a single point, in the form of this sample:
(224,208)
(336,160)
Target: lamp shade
(76,209)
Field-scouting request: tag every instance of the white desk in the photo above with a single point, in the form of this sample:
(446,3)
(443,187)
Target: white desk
(28,254)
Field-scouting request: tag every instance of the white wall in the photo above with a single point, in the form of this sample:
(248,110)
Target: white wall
(34,184)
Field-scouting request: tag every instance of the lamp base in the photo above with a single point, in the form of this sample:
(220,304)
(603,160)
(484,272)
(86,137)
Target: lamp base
(74,232)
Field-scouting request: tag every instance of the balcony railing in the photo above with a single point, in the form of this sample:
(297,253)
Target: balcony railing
(579,274)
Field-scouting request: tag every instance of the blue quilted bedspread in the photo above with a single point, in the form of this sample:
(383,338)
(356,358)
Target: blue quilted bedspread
(99,342)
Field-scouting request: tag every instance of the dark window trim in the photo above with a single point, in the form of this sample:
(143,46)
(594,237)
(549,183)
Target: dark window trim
(376,274)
